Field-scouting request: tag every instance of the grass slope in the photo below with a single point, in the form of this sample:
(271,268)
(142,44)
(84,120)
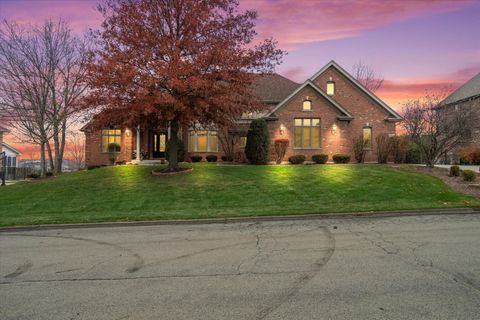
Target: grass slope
(131,193)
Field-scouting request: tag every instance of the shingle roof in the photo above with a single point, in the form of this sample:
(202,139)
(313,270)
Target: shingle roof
(273,88)
(470,89)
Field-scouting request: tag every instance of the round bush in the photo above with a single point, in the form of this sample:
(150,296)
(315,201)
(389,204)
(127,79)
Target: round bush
(297,159)
(33,176)
(257,148)
(196,158)
(341,158)
(454,171)
(320,158)
(469,175)
(211,158)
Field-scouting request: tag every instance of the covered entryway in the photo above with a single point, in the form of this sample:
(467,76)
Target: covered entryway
(159,142)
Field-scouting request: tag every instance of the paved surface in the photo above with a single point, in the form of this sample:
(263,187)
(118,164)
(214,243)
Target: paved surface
(391,268)
(462,167)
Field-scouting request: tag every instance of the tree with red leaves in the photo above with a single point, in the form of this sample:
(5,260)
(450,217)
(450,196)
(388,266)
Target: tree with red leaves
(188,62)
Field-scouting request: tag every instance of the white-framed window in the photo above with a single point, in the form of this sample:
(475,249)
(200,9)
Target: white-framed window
(11,161)
(330,88)
(111,140)
(307,105)
(307,133)
(203,141)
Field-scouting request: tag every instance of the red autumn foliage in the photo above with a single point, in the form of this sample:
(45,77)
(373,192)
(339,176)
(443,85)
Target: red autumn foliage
(184,61)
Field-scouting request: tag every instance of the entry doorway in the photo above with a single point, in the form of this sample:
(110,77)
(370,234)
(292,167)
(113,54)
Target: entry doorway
(159,144)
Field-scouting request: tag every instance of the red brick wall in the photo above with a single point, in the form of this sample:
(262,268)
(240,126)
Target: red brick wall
(365,111)
(93,148)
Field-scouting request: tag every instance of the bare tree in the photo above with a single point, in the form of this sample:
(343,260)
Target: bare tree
(367,76)
(437,129)
(76,149)
(24,89)
(43,71)
(228,141)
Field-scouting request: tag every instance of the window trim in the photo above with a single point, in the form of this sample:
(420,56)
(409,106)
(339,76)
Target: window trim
(370,147)
(120,135)
(295,147)
(195,141)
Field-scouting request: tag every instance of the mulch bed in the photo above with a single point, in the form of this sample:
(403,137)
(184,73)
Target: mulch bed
(171,172)
(456,183)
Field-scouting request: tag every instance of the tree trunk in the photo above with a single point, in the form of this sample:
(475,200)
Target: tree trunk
(56,148)
(43,170)
(50,156)
(173,145)
(61,150)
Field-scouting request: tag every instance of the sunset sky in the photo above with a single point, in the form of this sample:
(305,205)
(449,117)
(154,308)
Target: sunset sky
(415,45)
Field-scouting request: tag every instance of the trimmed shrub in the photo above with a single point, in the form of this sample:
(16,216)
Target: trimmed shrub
(227,158)
(297,159)
(320,158)
(383,144)
(49,174)
(33,176)
(414,154)
(454,171)
(258,142)
(211,158)
(180,151)
(359,149)
(400,146)
(341,158)
(281,146)
(469,175)
(196,158)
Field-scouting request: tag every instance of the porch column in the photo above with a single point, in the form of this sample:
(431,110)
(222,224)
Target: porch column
(138,144)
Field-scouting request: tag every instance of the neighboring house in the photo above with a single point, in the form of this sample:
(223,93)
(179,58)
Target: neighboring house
(12,155)
(467,97)
(2,132)
(322,115)
(67,165)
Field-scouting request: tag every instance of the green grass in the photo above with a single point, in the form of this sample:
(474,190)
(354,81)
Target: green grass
(131,193)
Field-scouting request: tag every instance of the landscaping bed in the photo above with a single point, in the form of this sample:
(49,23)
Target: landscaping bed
(128,193)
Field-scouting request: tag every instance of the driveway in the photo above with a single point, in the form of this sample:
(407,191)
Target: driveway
(423,267)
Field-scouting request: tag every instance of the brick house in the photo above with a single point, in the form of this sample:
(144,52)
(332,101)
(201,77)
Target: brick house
(322,115)
(467,97)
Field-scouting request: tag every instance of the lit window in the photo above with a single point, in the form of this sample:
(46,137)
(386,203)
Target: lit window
(367,137)
(203,141)
(243,141)
(330,88)
(307,105)
(307,133)
(111,140)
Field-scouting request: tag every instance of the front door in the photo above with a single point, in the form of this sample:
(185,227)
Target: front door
(159,144)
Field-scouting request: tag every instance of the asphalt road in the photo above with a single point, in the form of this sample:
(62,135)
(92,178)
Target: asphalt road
(425,267)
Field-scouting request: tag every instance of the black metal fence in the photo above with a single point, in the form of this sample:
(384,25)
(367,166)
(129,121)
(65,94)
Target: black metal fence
(14,173)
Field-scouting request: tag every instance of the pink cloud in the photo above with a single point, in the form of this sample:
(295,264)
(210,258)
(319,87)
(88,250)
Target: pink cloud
(294,23)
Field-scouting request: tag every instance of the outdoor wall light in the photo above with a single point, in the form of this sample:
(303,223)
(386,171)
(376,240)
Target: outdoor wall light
(128,133)
(334,128)
(282,129)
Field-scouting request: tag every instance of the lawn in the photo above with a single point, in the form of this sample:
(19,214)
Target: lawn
(130,193)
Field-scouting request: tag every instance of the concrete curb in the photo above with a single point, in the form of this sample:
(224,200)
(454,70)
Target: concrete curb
(316,216)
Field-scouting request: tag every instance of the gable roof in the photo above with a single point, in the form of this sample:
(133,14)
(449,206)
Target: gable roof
(12,149)
(345,114)
(469,89)
(393,115)
(272,87)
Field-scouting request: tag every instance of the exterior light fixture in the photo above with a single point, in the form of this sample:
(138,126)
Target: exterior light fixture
(128,133)
(334,128)
(282,129)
